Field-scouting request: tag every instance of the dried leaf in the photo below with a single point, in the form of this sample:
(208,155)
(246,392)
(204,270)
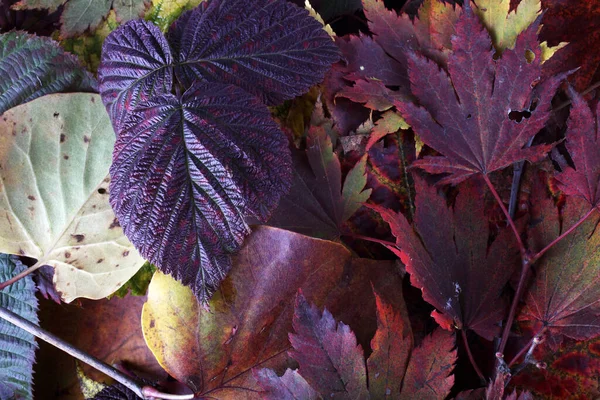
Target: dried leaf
(55,156)
(390,122)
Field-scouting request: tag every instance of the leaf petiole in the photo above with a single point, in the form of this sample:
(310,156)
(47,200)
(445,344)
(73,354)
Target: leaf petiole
(20,276)
(144,392)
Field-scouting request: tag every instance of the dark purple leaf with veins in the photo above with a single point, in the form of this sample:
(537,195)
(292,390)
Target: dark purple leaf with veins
(136,65)
(185,173)
(271,48)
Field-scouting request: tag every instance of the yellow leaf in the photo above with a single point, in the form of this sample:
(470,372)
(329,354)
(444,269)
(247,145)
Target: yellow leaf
(548,52)
(164,12)
(505,26)
(313,13)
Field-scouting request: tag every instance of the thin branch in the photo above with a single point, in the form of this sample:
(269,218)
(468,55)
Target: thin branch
(471,358)
(370,239)
(562,235)
(506,214)
(139,389)
(518,168)
(528,349)
(22,275)
(568,102)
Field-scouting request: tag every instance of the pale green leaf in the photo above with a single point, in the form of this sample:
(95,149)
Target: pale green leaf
(55,153)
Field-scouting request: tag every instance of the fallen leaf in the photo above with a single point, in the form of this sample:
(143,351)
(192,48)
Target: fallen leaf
(251,314)
(582,144)
(470,118)
(290,386)
(55,155)
(564,299)
(330,359)
(449,257)
(390,122)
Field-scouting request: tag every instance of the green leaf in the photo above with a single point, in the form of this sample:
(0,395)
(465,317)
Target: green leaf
(55,153)
(32,66)
(17,347)
(81,15)
(353,194)
(138,284)
(164,12)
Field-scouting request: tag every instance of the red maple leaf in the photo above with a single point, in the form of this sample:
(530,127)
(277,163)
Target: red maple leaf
(583,146)
(447,255)
(465,114)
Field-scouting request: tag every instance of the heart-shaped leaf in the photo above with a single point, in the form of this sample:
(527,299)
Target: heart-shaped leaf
(54,161)
(186,172)
(136,65)
(273,49)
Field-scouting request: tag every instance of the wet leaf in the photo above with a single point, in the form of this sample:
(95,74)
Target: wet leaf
(469,120)
(18,346)
(448,255)
(54,157)
(32,66)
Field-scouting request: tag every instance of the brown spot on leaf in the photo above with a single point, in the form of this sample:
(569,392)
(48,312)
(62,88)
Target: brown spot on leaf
(86,139)
(67,254)
(32,209)
(102,191)
(78,237)
(99,260)
(56,115)
(152,323)
(62,138)
(125,253)
(66,157)
(114,224)
(21,252)
(30,197)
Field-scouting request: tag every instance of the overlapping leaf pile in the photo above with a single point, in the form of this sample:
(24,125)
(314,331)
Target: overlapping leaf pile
(196,149)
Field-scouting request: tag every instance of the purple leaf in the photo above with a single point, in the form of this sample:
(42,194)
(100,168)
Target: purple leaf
(136,65)
(185,173)
(271,48)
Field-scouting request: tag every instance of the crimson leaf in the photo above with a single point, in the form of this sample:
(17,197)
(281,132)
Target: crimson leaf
(466,115)
(185,173)
(330,359)
(582,143)
(271,48)
(448,256)
(136,65)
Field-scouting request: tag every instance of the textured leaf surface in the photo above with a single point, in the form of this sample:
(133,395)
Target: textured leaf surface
(116,392)
(290,386)
(186,172)
(127,10)
(18,346)
(54,158)
(272,49)
(584,149)
(447,254)
(565,299)
(330,359)
(136,65)
(391,345)
(429,373)
(505,25)
(251,314)
(468,120)
(31,67)
(578,23)
(571,371)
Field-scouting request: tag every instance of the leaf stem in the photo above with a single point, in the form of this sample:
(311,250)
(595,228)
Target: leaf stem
(22,275)
(471,358)
(562,236)
(142,391)
(506,214)
(528,349)
(370,239)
